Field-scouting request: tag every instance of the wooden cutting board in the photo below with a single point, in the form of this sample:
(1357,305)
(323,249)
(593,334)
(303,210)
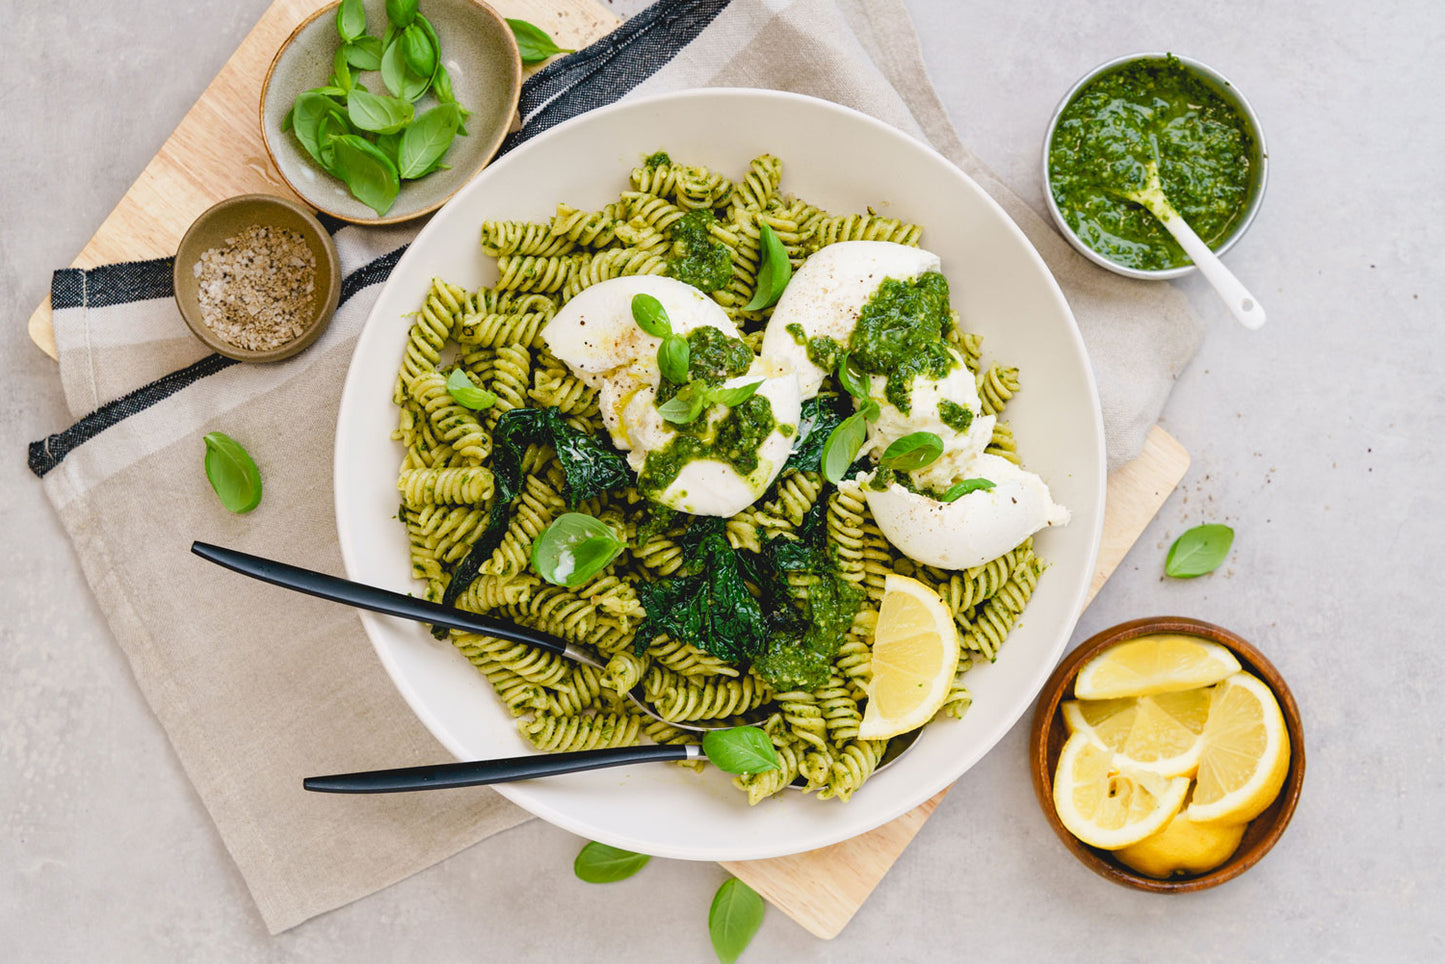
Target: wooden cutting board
(217,152)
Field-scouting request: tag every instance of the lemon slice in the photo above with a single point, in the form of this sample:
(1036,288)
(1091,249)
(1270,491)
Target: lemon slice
(1183,847)
(1164,663)
(1246,753)
(1107,806)
(1163,734)
(915,654)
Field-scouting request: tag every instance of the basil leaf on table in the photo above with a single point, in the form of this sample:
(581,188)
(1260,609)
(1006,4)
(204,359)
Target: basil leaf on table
(417,49)
(741,749)
(461,387)
(232,473)
(598,863)
(364,53)
(1199,551)
(913,451)
(378,113)
(401,12)
(650,316)
(774,271)
(574,548)
(350,20)
(426,140)
(368,172)
(684,407)
(673,358)
(842,447)
(398,76)
(960,489)
(533,43)
(733,397)
(735,916)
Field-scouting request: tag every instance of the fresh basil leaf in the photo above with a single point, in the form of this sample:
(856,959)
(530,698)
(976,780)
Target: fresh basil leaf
(417,48)
(733,397)
(820,415)
(870,411)
(673,357)
(573,549)
(232,473)
(368,172)
(741,749)
(684,407)
(341,70)
(958,490)
(461,387)
(533,43)
(331,127)
(289,119)
(398,77)
(650,316)
(401,12)
(853,383)
(378,113)
(913,451)
(1199,551)
(364,53)
(735,916)
(597,863)
(442,88)
(842,447)
(774,271)
(350,20)
(425,141)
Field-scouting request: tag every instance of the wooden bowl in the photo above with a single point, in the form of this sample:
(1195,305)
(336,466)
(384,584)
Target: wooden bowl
(480,54)
(227,219)
(1048,734)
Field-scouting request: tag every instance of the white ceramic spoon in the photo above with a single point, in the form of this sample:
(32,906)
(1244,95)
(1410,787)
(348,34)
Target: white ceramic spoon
(1243,305)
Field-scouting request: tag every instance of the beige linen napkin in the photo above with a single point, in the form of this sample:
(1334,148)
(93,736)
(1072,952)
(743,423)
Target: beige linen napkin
(257,688)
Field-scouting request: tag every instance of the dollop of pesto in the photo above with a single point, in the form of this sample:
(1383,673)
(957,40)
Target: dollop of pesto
(955,416)
(900,335)
(713,357)
(733,438)
(657,159)
(696,259)
(1112,129)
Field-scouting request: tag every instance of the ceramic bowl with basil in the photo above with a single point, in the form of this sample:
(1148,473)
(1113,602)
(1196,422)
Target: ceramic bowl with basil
(378,112)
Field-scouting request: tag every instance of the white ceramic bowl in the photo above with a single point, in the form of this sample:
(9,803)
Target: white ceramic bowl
(843,161)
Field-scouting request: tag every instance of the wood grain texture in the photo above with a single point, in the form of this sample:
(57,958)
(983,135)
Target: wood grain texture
(217,152)
(823,889)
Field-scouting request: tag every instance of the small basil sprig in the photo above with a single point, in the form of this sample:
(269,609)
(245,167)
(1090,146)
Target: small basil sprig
(673,355)
(650,316)
(740,749)
(735,916)
(913,451)
(461,387)
(1199,551)
(533,43)
(598,863)
(847,439)
(673,358)
(960,489)
(574,548)
(368,172)
(232,473)
(774,270)
(693,399)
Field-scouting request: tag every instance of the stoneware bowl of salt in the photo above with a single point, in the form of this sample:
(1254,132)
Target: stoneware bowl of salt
(257,278)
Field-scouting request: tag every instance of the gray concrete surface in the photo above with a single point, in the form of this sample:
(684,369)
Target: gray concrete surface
(1316,438)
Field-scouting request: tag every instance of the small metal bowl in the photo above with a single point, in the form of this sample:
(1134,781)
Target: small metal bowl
(1048,734)
(226,220)
(1259,161)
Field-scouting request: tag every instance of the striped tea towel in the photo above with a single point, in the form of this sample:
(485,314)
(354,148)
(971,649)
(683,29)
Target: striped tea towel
(256,689)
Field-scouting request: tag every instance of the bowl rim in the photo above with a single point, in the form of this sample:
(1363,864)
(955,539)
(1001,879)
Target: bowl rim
(328,273)
(1041,765)
(1226,89)
(514,97)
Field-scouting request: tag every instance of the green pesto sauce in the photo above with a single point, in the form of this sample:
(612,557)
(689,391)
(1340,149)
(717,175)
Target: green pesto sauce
(733,438)
(1112,129)
(824,352)
(658,159)
(900,335)
(696,259)
(955,416)
(795,331)
(713,358)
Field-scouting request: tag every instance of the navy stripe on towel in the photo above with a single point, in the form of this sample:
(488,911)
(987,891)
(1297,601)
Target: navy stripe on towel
(111,284)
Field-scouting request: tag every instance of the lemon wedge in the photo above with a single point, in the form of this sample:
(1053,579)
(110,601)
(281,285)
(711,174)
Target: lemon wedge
(1246,753)
(1183,847)
(1108,806)
(1163,663)
(1163,734)
(915,654)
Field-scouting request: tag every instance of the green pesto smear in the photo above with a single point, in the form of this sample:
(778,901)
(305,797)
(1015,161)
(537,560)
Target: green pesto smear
(658,159)
(733,438)
(900,335)
(1114,127)
(696,259)
(713,357)
(955,416)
